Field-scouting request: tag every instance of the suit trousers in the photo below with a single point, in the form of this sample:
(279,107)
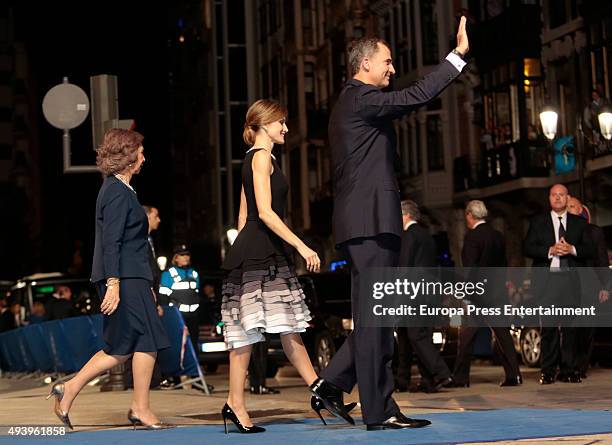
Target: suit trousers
(258,364)
(559,343)
(418,340)
(504,346)
(366,355)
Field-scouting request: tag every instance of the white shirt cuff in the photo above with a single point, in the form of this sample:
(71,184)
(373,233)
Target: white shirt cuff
(574,251)
(456,61)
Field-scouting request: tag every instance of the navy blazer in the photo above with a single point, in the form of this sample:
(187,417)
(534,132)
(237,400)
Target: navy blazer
(121,248)
(484,246)
(362,141)
(418,248)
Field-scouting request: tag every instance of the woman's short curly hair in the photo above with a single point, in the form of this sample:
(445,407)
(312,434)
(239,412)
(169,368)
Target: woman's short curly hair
(118,150)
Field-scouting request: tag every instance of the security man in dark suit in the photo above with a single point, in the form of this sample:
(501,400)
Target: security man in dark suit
(484,246)
(154,222)
(367,222)
(557,242)
(600,262)
(418,250)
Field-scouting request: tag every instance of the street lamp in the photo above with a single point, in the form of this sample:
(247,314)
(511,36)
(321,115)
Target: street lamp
(605,122)
(231,235)
(549,118)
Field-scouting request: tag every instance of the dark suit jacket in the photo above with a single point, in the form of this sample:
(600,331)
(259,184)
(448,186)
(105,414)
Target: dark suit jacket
(121,247)
(362,140)
(418,248)
(484,246)
(599,260)
(154,267)
(541,236)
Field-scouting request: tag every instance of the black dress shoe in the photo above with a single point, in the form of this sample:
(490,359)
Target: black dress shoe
(438,384)
(261,389)
(401,388)
(397,422)
(547,379)
(455,384)
(426,387)
(516,381)
(331,396)
(574,377)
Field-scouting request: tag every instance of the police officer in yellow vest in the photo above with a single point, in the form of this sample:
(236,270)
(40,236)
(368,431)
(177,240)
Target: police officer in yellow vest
(180,287)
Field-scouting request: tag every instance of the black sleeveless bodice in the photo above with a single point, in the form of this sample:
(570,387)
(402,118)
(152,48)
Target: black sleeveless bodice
(256,241)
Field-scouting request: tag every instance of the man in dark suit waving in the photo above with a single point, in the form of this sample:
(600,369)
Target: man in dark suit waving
(367,221)
(485,247)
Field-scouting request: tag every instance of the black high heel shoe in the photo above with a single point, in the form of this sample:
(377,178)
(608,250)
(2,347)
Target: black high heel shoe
(228,413)
(317,405)
(153,426)
(57,391)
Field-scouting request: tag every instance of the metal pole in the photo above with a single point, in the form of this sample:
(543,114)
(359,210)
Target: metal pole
(66,145)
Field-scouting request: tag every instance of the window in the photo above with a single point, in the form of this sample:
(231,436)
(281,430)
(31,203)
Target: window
(292,99)
(289,22)
(263,22)
(307,23)
(561,12)
(222,141)
(275,77)
(237,117)
(435,146)
(429,30)
(237,78)
(309,85)
(235,22)
(295,179)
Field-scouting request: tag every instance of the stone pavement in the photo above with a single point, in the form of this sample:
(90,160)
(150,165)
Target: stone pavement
(24,403)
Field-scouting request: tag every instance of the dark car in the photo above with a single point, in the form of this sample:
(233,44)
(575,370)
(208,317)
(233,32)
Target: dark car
(528,340)
(328,295)
(41,288)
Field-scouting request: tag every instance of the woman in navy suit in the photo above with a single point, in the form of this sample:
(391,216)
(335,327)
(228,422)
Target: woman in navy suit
(122,275)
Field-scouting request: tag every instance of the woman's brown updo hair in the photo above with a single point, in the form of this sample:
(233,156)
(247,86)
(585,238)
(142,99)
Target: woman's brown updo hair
(118,150)
(262,112)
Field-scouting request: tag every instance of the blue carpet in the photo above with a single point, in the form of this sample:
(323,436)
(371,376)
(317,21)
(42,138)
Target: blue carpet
(447,428)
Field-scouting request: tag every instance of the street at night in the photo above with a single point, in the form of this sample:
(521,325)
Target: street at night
(316,221)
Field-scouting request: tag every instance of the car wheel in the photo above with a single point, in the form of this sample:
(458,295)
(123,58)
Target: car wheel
(324,350)
(531,347)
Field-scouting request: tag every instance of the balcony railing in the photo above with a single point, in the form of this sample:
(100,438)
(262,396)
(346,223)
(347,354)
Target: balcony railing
(502,164)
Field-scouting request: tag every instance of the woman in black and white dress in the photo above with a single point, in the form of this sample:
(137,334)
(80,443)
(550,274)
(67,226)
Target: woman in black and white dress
(261,293)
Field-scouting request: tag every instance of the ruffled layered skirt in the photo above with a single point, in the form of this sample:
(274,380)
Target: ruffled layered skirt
(261,294)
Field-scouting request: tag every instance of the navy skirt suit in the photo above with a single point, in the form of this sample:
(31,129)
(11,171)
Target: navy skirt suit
(121,250)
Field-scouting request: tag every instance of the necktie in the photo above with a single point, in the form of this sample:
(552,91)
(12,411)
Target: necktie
(563,262)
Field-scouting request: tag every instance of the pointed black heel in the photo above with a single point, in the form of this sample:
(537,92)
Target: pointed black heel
(228,413)
(317,405)
(57,391)
(331,397)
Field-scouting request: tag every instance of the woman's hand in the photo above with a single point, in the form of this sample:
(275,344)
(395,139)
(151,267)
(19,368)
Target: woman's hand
(313,263)
(111,300)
